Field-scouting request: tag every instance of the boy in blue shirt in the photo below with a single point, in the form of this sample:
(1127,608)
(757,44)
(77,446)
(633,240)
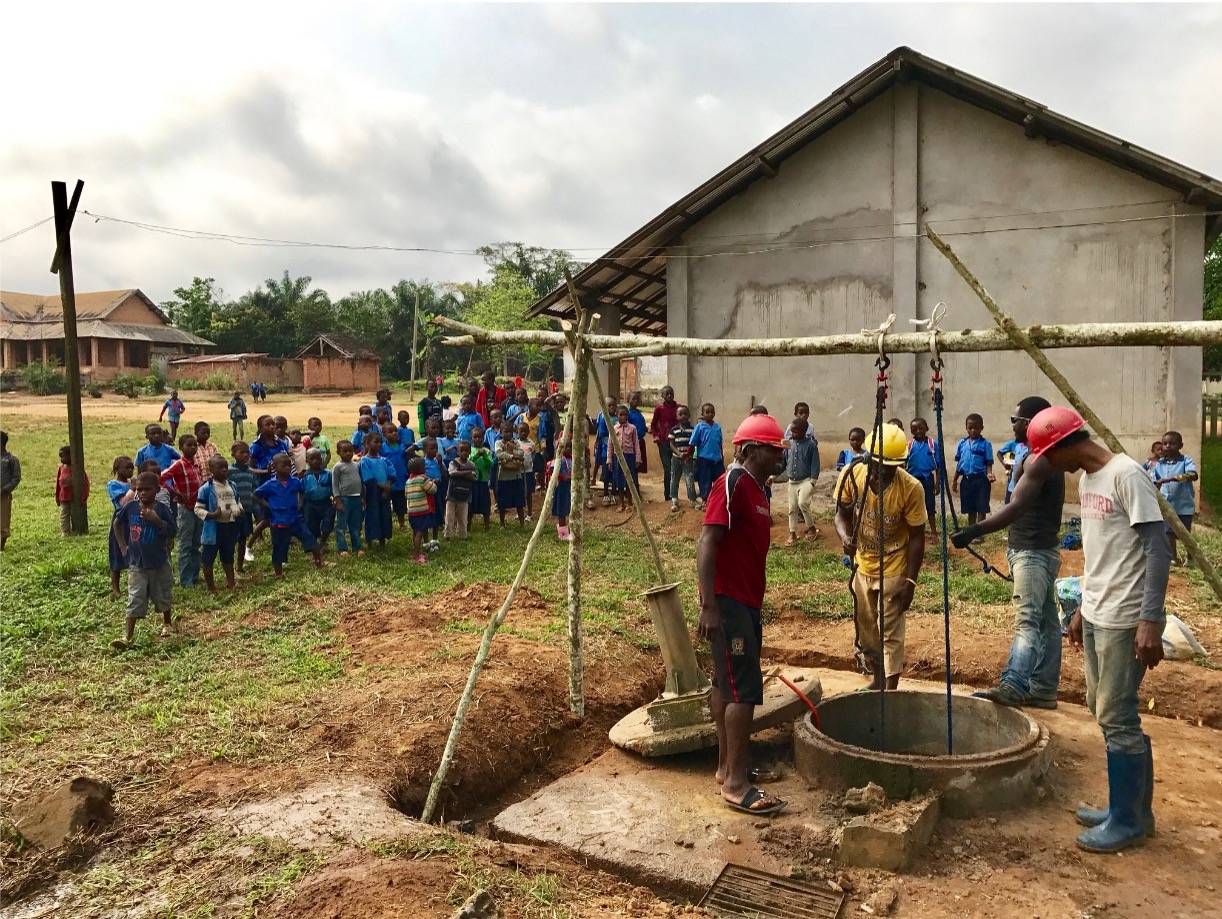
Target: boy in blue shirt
(242,478)
(435,470)
(397,456)
(974,468)
(407,435)
(922,465)
(143,530)
(156,449)
(706,439)
(173,408)
(377,478)
(855,451)
(447,445)
(1174,474)
(637,417)
(468,419)
(281,497)
(319,509)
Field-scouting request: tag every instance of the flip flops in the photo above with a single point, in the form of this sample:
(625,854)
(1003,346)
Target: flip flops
(753,796)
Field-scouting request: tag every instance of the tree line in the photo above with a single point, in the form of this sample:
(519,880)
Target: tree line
(284,314)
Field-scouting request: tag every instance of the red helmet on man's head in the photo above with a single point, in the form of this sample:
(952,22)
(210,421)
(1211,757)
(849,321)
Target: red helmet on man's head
(760,429)
(1049,427)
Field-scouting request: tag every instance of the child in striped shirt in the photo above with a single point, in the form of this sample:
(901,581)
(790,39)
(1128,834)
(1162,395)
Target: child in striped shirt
(421,510)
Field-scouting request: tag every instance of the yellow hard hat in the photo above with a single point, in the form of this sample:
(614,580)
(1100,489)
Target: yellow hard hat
(891,449)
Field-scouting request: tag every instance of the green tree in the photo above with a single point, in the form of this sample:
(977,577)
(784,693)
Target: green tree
(196,309)
(309,312)
(542,269)
(501,305)
(1212,302)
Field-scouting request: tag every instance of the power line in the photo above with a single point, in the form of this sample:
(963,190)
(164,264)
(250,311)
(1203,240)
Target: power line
(24,230)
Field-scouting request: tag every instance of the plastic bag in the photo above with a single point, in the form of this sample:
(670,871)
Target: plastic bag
(1179,644)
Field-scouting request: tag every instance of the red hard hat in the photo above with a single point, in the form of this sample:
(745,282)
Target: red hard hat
(1049,427)
(760,429)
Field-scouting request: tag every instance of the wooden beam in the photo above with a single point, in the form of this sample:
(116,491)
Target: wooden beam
(61,264)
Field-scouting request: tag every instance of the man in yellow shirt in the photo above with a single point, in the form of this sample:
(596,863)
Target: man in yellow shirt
(903,547)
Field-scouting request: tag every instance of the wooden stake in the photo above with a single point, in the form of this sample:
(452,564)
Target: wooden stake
(1075,335)
(580,486)
(61,264)
(1023,341)
(485,648)
(619,455)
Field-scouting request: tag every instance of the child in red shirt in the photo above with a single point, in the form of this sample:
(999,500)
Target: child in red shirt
(63,490)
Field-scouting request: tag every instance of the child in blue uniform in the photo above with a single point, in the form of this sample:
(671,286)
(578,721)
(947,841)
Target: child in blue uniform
(855,451)
(707,440)
(562,502)
(435,470)
(281,496)
(120,490)
(396,454)
(922,465)
(974,471)
(1174,474)
(377,475)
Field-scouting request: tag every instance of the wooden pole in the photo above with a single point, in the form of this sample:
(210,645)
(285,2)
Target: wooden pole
(580,487)
(485,648)
(1023,341)
(619,455)
(61,264)
(411,386)
(1075,335)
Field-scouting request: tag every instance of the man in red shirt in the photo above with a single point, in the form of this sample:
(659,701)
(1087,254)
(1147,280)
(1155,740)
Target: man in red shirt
(730,562)
(665,417)
(182,480)
(490,396)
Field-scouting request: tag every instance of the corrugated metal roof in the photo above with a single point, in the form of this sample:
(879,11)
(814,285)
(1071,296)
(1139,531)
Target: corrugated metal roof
(346,345)
(93,304)
(220,358)
(96,328)
(632,275)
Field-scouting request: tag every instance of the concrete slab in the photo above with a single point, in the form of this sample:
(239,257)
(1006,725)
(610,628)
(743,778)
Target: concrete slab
(892,838)
(662,823)
(635,731)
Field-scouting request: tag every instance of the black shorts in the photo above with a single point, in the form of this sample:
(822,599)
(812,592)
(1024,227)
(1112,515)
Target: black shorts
(736,653)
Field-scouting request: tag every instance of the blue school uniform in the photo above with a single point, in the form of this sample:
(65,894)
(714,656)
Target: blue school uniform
(846,457)
(284,501)
(466,423)
(1180,495)
(115,490)
(447,449)
(921,464)
(562,502)
(163,453)
(217,538)
(243,482)
(710,466)
(435,470)
(972,461)
(319,503)
(407,437)
(173,410)
(376,471)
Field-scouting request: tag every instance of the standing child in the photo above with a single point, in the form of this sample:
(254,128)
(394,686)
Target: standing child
(174,408)
(562,502)
(297,451)
(855,451)
(407,436)
(156,448)
(974,469)
(120,490)
(381,402)
(481,459)
(1156,453)
(800,410)
(510,461)
(63,490)
(447,444)
(802,467)
(218,506)
(346,490)
(183,481)
(237,416)
(281,495)
(604,454)
(429,406)
(529,452)
(262,453)
(10,478)
(492,434)
(461,472)
(421,505)
(468,418)
(683,460)
(396,455)
(630,442)
(707,442)
(319,510)
(205,449)
(143,529)
(665,417)
(447,412)
(435,470)
(319,440)
(243,481)
(378,478)
(637,417)
(922,465)
(1174,474)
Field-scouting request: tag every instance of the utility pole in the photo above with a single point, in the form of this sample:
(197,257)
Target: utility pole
(61,264)
(411,386)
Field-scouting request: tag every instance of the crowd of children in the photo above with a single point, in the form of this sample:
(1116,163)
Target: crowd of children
(188,498)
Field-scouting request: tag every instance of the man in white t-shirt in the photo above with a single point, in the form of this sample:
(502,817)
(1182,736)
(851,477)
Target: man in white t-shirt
(1119,625)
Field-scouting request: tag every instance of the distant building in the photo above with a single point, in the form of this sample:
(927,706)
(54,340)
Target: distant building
(331,362)
(117,331)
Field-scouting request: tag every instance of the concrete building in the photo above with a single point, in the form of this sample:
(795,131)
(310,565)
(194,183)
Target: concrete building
(118,331)
(818,230)
(331,362)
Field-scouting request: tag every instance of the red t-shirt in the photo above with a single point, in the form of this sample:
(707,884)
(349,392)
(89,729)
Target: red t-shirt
(739,503)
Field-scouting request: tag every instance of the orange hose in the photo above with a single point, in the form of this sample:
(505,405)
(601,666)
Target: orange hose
(814,712)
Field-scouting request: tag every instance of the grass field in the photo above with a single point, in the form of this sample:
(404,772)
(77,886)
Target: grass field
(1211,475)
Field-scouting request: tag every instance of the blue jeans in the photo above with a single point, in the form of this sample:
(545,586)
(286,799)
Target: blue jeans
(190,529)
(1113,675)
(1034,667)
(685,470)
(348,523)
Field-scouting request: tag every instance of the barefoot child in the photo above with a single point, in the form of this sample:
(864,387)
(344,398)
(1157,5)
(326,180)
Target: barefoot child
(396,455)
(281,496)
(144,528)
(434,469)
(562,502)
(262,453)
(175,408)
(421,508)
(346,491)
(220,509)
(803,470)
(243,481)
(974,468)
(120,490)
(319,509)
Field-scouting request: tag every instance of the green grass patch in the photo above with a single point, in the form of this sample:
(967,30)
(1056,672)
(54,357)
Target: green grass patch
(1211,475)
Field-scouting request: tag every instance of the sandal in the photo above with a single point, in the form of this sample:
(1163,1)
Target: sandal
(119,644)
(753,797)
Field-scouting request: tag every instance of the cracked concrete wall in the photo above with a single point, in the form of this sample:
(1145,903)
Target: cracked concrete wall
(830,246)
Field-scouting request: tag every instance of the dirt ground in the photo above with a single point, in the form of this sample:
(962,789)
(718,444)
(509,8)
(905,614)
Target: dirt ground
(389,727)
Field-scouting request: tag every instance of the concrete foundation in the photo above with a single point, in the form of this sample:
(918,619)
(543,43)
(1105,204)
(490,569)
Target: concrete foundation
(891,839)
(1000,754)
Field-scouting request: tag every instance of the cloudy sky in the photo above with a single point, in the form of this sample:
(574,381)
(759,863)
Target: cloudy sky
(450,126)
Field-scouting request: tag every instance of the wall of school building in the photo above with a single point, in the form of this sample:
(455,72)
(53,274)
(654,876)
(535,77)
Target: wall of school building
(337,373)
(287,374)
(916,156)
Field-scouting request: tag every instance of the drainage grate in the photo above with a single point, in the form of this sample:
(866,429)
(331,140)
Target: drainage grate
(752,894)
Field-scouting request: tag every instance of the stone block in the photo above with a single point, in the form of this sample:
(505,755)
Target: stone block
(50,818)
(891,839)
